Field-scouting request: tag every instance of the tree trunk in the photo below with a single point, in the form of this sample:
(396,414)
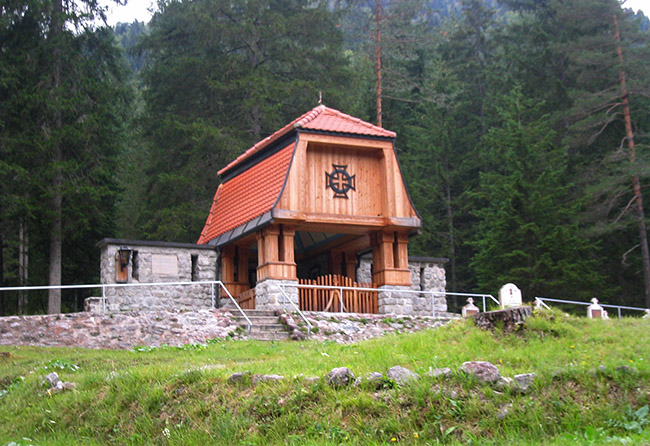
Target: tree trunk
(54,296)
(450,227)
(23,263)
(636,185)
(378,64)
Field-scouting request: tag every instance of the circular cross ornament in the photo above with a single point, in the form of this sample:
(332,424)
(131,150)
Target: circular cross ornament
(340,181)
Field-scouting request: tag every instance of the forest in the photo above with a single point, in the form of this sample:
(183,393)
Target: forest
(523,129)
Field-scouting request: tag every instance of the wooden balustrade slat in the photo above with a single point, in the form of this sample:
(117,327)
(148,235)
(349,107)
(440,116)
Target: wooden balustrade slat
(354,301)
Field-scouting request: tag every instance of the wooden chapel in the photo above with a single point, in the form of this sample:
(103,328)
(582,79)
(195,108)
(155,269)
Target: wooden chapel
(308,200)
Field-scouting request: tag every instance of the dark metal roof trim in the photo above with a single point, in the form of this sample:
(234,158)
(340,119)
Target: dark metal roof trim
(264,153)
(349,135)
(242,231)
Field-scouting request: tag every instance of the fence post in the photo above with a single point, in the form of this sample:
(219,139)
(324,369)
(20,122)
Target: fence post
(212,298)
(433,305)
(484,303)
(103,299)
(341,299)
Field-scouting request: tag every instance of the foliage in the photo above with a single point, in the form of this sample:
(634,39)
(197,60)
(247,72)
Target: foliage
(527,231)
(65,104)
(218,80)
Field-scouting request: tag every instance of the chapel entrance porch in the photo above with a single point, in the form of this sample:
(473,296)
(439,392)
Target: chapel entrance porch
(313,259)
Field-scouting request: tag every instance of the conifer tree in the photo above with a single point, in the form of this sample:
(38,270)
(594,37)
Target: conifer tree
(527,231)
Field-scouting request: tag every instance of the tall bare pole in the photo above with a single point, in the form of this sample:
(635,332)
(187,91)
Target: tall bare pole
(56,31)
(378,62)
(636,185)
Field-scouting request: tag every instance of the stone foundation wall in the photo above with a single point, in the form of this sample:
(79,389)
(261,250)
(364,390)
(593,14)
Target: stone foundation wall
(269,296)
(117,331)
(153,262)
(427,274)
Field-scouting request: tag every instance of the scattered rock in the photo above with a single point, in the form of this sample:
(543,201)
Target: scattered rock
(266,378)
(524,381)
(503,383)
(238,377)
(340,376)
(52,380)
(627,369)
(401,375)
(504,410)
(450,393)
(444,371)
(69,386)
(297,335)
(55,384)
(483,370)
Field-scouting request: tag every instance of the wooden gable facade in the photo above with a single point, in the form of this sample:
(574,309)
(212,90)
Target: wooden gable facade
(308,200)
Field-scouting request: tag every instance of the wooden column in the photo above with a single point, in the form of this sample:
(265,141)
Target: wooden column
(242,265)
(351,265)
(335,261)
(401,251)
(228,266)
(276,253)
(289,269)
(390,259)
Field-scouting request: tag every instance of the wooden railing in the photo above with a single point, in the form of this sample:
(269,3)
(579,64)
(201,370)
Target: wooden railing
(354,301)
(246,300)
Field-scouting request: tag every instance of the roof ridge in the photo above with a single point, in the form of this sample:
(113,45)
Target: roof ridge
(302,122)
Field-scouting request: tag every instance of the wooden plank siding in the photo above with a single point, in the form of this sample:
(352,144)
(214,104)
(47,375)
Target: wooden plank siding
(354,301)
(246,300)
(380,191)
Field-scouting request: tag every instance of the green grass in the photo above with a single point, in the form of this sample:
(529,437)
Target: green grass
(180,396)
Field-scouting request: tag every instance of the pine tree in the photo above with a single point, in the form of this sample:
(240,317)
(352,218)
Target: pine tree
(527,231)
(65,102)
(220,78)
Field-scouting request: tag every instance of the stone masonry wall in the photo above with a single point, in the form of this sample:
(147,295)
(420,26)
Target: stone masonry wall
(269,296)
(146,266)
(427,274)
(117,331)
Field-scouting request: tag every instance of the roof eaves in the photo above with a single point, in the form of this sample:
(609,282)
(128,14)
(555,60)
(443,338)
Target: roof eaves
(244,229)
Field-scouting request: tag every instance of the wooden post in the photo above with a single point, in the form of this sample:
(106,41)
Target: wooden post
(289,270)
(228,265)
(276,253)
(390,259)
(351,265)
(401,250)
(242,264)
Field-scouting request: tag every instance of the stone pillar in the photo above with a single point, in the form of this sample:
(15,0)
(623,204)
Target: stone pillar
(269,296)
(392,299)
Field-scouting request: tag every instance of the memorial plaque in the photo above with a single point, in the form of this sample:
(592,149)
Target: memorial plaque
(164,265)
(510,296)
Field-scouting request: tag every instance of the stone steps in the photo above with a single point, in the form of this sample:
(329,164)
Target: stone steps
(265,325)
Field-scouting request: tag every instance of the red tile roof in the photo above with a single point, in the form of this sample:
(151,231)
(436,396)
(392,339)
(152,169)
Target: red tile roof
(320,118)
(247,195)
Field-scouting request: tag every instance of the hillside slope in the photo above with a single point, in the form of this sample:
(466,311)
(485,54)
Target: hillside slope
(592,386)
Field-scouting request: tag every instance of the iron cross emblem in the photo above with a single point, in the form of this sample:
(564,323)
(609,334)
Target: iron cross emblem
(340,181)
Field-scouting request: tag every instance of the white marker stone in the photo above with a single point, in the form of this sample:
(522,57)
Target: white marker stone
(510,296)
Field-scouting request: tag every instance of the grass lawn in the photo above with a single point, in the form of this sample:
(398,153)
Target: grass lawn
(180,396)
